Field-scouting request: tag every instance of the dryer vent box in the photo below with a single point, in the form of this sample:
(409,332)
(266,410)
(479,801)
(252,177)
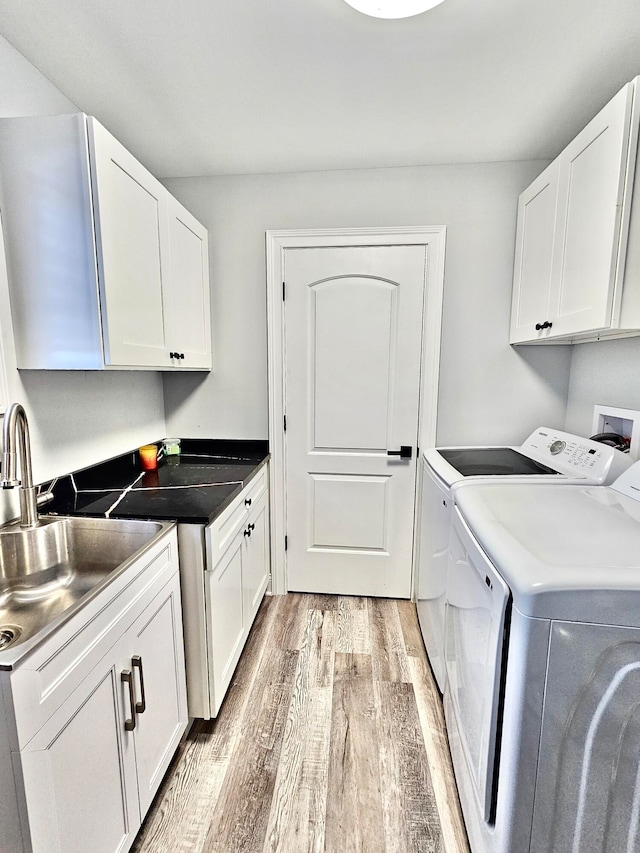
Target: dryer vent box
(625,422)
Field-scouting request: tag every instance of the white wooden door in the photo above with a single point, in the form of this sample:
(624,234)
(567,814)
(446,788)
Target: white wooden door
(132,235)
(533,261)
(591,187)
(353,336)
(157,661)
(80,771)
(189,320)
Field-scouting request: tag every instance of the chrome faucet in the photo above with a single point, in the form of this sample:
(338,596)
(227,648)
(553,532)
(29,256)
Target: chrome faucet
(16,442)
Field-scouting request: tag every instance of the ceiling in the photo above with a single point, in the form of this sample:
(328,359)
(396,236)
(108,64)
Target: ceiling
(203,87)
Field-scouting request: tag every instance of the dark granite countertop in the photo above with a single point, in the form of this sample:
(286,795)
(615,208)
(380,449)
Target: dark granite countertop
(193,488)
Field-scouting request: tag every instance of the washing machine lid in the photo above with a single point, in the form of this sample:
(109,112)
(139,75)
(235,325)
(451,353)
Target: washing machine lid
(493,462)
(553,455)
(570,554)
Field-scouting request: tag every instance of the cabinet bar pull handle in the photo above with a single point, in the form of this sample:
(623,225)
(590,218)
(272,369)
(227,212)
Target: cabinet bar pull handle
(136,663)
(247,501)
(127,678)
(247,532)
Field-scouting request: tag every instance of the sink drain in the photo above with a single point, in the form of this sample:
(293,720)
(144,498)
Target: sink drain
(8,633)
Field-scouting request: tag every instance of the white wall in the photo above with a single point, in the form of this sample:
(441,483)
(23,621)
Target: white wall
(76,419)
(605,373)
(489,392)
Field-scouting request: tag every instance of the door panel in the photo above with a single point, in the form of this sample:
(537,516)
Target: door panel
(353,338)
(350,362)
(364,526)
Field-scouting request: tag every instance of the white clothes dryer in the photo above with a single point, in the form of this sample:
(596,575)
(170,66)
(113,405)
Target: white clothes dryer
(547,455)
(542,701)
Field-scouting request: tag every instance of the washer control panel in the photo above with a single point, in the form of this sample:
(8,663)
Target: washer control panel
(557,446)
(576,456)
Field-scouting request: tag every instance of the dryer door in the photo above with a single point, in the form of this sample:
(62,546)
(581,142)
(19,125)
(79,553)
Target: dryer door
(476,619)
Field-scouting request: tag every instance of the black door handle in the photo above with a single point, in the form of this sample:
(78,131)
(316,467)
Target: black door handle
(405,452)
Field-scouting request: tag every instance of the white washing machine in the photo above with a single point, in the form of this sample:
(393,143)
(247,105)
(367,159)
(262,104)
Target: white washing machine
(542,701)
(546,456)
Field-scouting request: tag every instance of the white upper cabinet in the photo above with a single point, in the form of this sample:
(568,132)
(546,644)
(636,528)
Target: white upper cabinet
(189,327)
(106,269)
(132,242)
(573,229)
(534,253)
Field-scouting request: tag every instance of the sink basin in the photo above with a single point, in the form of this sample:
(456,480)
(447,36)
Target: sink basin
(51,569)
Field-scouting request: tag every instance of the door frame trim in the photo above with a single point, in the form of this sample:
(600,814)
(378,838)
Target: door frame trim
(433,238)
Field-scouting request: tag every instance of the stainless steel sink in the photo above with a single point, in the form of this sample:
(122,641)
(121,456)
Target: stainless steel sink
(52,569)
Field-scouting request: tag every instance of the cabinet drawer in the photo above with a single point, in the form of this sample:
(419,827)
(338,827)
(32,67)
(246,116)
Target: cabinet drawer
(44,680)
(256,488)
(221,532)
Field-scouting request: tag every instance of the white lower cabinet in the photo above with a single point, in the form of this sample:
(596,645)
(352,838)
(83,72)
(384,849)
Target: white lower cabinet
(226,622)
(225,570)
(80,771)
(255,562)
(234,589)
(88,775)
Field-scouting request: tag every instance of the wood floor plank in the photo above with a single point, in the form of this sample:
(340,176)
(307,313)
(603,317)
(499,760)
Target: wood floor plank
(289,628)
(323,662)
(388,652)
(354,801)
(435,737)
(413,642)
(352,627)
(239,821)
(299,803)
(410,815)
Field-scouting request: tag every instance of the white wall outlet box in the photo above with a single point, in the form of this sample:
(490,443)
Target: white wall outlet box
(625,422)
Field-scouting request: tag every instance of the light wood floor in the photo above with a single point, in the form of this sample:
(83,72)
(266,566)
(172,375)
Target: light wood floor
(331,738)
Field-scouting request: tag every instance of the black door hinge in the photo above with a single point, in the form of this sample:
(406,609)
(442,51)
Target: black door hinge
(284,418)
(286,542)
(283,291)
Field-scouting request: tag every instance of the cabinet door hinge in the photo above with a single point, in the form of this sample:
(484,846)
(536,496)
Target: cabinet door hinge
(283,291)
(286,542)
(284,419)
